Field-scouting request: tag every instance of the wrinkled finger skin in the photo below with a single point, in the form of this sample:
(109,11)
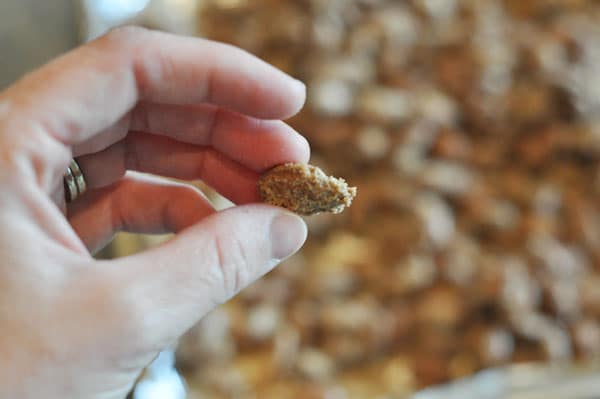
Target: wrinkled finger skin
(134,99)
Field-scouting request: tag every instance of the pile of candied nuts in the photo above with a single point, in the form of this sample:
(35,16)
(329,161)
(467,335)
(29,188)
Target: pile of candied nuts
(471,128)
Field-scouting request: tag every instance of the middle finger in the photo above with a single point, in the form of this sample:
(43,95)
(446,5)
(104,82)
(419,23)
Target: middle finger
(255,143)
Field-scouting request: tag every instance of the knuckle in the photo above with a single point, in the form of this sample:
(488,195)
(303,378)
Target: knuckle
(34,154)
(29,151)
(232,265)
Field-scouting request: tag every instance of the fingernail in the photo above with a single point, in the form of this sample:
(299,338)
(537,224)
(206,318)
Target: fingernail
(288,233)
(300,86)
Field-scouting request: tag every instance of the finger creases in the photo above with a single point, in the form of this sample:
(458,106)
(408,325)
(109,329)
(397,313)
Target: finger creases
(138,203)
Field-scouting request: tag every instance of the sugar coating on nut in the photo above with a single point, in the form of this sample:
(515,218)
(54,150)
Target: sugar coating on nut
(305,189)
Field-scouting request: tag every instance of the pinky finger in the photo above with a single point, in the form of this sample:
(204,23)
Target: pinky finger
(137,203)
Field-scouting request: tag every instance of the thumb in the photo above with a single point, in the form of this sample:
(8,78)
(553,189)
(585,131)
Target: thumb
(169,288)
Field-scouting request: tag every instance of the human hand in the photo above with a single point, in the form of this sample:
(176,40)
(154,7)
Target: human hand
(75,327)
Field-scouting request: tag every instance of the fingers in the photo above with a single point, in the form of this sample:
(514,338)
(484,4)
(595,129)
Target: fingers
(138,203)
(163,156)
(256,143)
(92,87)
(170,287)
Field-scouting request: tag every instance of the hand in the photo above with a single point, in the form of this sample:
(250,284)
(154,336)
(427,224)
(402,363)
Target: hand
(133,100)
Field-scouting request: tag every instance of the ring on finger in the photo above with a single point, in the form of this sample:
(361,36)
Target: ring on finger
(74,181)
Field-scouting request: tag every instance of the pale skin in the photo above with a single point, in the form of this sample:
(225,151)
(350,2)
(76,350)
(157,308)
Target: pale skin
(133,101)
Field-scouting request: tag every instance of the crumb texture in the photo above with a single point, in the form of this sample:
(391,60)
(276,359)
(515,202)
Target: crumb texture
(305,189)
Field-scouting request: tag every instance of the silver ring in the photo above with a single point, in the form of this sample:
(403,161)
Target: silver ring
(74,181)
(78,175)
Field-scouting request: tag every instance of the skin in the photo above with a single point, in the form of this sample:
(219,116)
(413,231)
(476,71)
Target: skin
(133,101)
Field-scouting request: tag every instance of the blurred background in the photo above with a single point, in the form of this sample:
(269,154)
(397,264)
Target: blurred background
(471,128)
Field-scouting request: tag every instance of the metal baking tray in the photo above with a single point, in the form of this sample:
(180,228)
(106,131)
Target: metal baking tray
(525,381)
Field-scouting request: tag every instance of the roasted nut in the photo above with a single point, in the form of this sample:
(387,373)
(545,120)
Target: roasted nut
(305,189)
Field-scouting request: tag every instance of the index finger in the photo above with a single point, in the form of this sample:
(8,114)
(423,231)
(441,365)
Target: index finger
(89,88)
